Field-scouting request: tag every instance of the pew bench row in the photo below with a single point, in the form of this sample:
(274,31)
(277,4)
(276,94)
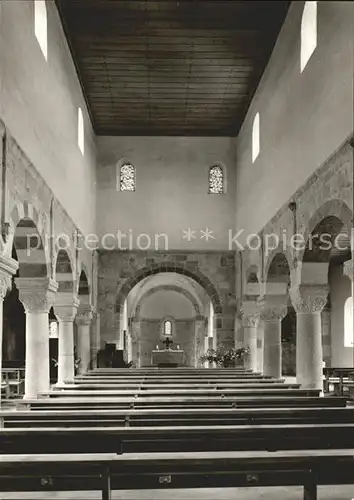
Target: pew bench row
(174,417)
(53,440)
(165,471)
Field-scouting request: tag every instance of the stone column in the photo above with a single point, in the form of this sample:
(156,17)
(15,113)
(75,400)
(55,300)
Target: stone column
(8,268)
(200,332)
(83,320)
(271,316)
(37,296)
(95,339)
(135,328)
(260,346)
(326,335)
(308,301)
(65,311)
(250,324)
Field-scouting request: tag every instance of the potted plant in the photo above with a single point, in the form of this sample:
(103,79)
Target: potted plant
(226,357)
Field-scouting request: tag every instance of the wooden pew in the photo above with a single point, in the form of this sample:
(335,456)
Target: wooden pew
(165,471)
(176,383)
(176,438)
(175,417)
(172,387)
(195,393)
(336,376)
(163,403)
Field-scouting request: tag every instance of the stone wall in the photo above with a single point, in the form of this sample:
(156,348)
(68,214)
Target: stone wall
(25,194)
(150,337)
(39,101)
(171,191)
(304,117)
(119,272)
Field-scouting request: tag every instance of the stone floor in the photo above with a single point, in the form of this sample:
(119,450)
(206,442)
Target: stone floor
(325,493)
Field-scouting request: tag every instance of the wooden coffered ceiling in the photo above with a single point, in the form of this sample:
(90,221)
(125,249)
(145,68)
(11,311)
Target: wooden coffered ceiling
(187,67)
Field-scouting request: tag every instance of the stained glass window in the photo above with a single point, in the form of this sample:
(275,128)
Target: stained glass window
(168,328)
(216,180)
(127,177)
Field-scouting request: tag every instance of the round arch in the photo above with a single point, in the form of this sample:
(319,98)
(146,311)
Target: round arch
(168,288)
(334,214)
(197,276)
(64,272)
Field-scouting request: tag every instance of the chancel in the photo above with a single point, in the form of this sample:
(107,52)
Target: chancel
(176,270)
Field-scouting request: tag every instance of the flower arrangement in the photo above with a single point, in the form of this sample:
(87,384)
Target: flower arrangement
(223,356)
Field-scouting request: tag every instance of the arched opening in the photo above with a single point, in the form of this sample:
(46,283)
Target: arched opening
(171,302)
(14,327)
(327,248)
(28,251)
(277,290)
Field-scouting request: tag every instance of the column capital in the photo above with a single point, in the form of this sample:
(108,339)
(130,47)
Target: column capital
(36,294)
(348,269)
(250,320)
(308,299)
(8,268)
(84,314)
(65,308)
(249,313)
(273,307)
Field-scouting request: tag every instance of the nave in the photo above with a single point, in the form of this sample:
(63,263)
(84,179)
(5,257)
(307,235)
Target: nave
(119,430)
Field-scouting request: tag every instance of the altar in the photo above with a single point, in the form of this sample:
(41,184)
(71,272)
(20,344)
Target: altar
(167,357)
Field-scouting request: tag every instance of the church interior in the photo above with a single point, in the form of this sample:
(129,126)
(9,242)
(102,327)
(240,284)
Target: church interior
(176,249)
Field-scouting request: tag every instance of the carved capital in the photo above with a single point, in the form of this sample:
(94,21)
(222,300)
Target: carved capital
(273,313)
(348,269)
(36,294)
(273,307)
(309,299)
(84,315)
(250,320)
(66,307)
(8,268)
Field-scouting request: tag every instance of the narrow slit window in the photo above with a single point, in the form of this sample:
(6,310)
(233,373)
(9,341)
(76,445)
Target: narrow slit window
(308,33)
(81,132)
(168,328)
(348,323)
(255,138)
(216,180)
(40,26)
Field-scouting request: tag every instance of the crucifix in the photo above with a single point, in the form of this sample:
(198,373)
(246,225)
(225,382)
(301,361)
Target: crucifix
(167,342)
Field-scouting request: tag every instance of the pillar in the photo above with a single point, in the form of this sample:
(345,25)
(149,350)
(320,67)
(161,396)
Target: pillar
(135,331)
(200,332)
(326,335)
(308,301)
(83,321)
(37,296)
(8,268)
(65,310)
(260,346)
(250,324)
(272,316)
(348,270)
